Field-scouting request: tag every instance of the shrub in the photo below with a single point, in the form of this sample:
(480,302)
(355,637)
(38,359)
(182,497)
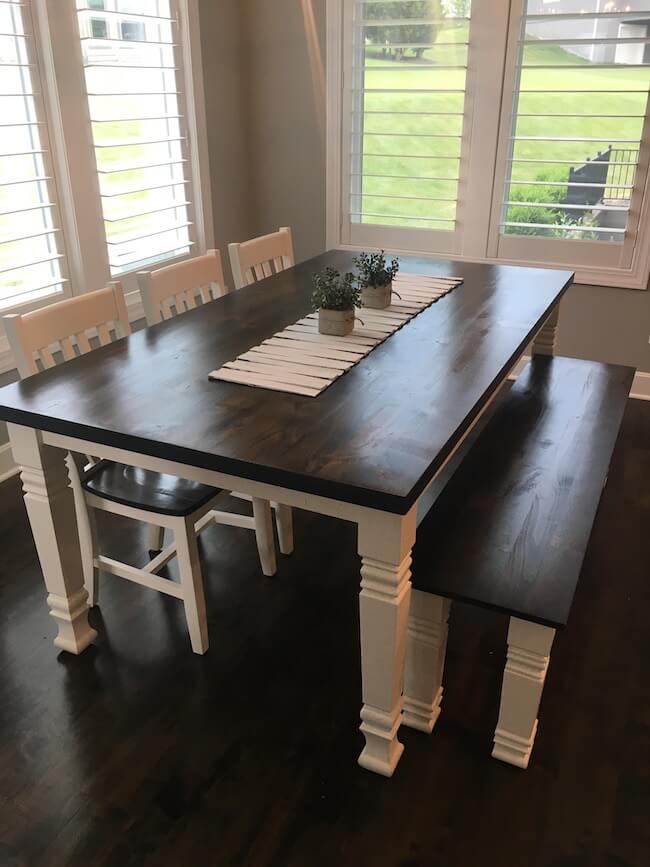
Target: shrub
(374,270)
(334,291)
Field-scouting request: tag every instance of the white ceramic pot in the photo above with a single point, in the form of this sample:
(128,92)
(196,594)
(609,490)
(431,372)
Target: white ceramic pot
(377,297)
(338,323)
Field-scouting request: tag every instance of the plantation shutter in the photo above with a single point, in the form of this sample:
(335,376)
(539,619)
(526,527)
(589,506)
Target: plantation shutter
(573,153)
(32,264)
(134,80)
(405,121)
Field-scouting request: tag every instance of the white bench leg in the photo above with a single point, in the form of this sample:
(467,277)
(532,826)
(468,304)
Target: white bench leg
(425,659)
(189,567)
(529,648)
(264,535)
(155,538)
(284,523)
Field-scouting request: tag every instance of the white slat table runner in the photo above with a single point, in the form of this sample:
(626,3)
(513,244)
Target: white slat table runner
(299,360)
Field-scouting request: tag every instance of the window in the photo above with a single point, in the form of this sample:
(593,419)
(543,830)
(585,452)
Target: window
(32,264)
(518,133)
(407,103)
(99,28)
(133,30)
(103,152)
(135,103)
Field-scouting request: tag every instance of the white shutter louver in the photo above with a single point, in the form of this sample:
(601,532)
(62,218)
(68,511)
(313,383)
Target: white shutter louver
(135,92)
(31,258)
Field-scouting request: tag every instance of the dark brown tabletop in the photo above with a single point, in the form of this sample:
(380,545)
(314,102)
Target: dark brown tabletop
(375,438)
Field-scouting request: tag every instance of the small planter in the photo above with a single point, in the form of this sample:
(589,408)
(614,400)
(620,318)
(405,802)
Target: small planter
(337,323)
(377,297)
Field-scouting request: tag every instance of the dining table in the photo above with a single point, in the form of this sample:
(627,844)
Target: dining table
(365,450)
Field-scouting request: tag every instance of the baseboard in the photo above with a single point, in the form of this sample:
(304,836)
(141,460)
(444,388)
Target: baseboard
(7,466)
(640,386)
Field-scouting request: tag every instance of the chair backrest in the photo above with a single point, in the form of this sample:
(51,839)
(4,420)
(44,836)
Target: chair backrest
(56,325)
(176,288)
(261,257)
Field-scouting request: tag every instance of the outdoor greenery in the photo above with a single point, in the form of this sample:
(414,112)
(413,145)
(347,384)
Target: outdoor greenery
(335,291)
(411,180)
(374,271)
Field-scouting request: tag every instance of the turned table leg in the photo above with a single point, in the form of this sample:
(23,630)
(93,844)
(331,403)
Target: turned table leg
(425,660)
(385,543)
(50,506)
(529,648)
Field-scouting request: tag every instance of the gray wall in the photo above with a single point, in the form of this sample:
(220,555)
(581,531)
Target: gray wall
(225,83)
(284,46)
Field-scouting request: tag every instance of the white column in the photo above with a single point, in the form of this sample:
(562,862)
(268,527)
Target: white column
(50,506)
(425,660)
(385,543)
(544,343)
(529,648)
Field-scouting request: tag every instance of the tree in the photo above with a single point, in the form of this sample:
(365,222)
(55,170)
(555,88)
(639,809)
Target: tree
(457,8)
(418,34)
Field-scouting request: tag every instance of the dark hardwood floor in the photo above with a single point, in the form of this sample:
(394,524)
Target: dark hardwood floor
(141,753)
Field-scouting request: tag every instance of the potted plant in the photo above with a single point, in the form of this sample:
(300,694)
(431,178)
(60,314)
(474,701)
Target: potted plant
(335,296)
(376,279)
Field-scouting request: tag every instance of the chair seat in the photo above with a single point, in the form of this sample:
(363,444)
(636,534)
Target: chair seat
(144,489)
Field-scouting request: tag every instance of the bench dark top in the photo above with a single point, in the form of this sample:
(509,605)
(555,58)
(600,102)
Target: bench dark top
(375,437)
(510,529)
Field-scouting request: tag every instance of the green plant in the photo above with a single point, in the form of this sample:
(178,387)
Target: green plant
(335,291)
(374,270)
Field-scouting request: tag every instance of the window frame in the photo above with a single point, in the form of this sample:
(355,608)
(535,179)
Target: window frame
(494,34)
(68,129)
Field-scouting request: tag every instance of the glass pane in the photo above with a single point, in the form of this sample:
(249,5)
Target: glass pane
(30,261)
(584,74)
(409,78)
(139,138)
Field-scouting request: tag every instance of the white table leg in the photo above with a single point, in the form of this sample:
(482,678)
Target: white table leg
(425,660)
(529,648)
(50,506)
(544,343)
(385,543)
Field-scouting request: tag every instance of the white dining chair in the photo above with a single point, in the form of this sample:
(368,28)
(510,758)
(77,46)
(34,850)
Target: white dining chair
(261,257)
(180,287)
(67,329)
(174,289)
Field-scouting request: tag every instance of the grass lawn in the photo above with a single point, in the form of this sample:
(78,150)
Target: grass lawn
(405,173)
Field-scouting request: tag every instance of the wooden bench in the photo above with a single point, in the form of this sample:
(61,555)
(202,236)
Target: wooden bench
(509,532)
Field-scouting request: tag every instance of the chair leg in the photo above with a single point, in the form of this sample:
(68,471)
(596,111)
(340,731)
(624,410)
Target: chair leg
(189,565)
(155,538)
(529,648)
(264,536)
(91,572)
(426,645)
(87,532)
(284,523)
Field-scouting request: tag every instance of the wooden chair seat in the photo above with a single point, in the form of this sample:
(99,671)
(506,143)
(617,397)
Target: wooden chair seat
(146,490)
(510,531)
